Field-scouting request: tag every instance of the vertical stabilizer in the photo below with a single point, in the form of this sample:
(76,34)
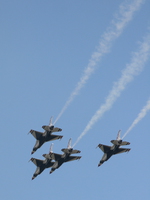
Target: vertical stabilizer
(49,127)
(69,144)
(50,122)
(51,148)
(118,135)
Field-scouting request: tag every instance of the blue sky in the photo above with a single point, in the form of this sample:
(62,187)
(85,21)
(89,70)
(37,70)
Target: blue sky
(46,48)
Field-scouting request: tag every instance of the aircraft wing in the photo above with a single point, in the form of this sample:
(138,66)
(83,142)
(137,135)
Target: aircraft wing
(37,162)
(55,156)
(71,158)
(104,148)
(121,150)
(36,134)
(55,137)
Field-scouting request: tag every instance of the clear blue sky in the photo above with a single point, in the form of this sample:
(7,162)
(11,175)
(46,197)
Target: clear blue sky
(45,48)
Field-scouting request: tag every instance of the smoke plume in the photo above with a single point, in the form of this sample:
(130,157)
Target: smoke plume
(121,19)
(134,68)
(140,116)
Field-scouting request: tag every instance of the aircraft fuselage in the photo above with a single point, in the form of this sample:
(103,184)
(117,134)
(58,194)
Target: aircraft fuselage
(60,161)
(113,150)
(40,168)
(47,136)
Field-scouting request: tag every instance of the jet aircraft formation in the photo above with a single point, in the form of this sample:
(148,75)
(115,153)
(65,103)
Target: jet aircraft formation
(55,160)
(59,159)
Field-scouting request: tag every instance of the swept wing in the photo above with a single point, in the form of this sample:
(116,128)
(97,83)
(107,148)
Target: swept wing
(104,148)
(71,158)
(36,134)
(37,162)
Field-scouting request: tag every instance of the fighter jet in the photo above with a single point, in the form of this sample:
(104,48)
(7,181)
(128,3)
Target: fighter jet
(112,150)
(65,157)
(41,138)
(42,164)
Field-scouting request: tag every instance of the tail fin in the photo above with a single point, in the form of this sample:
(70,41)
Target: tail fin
(50,122)
(69,144)
(51,148)
(118,135)
(119,141)
(48,156)
(49,127)
(70,149)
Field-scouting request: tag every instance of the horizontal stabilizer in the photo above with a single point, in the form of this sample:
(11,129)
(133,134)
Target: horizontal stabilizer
(120,142)
(70,151)
(50,127)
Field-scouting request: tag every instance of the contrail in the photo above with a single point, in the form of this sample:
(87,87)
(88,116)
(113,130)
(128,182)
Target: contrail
(124,15)
(134,68)
(140,116)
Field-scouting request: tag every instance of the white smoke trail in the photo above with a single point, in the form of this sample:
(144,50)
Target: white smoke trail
(139,117)
(119,22)
(134,68)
